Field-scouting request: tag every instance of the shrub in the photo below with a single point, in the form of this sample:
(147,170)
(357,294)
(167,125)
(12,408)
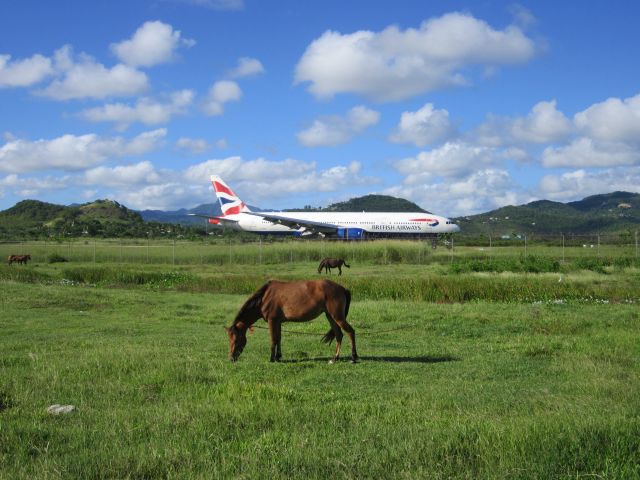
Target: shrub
(56,258)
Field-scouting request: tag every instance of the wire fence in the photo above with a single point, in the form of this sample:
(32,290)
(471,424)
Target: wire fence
(221,251)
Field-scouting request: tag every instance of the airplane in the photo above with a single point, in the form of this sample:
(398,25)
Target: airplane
(345,225)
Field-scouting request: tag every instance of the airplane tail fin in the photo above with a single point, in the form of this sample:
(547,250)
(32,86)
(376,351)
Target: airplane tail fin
(230,203)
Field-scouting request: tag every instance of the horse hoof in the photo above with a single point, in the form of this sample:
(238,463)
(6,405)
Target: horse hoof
(332,361)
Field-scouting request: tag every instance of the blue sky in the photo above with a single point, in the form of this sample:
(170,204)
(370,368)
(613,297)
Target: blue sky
(459,106)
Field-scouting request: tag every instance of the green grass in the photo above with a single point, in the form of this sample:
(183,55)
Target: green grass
(457,390)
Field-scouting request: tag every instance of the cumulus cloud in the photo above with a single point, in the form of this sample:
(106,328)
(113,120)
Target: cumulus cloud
(334,130)
(24,72)
(246,67)
(613,120)
(152,44)
(480,191)
(543,124)
(85,78)
(586,152)
(146,110)
(453,159)
(427,126)
(73,152)
(256,181)
(581,183)
(194,145)
(123,175)
(220,93)
(396,64)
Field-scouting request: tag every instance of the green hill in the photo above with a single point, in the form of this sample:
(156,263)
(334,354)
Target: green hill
(32,218)
(374,203)
(607,213)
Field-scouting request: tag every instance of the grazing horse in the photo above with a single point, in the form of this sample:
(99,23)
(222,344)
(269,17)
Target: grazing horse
(329,263)
(23,259)
(277,302)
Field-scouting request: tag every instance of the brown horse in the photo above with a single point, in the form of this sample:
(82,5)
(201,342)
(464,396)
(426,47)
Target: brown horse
(277,302)
(23,259)
(329,263)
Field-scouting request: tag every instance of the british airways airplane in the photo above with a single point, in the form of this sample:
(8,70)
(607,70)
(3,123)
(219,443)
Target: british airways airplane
(346,225)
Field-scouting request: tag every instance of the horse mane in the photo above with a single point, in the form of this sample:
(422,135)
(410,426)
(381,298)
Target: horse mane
(254,302)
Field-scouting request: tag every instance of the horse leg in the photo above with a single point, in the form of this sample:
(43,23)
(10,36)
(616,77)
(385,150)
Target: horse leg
(275,334)
(339,270)
(337,333)
(344,325)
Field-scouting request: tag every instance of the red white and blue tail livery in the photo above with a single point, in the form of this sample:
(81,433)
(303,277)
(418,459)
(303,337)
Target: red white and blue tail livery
(229,201)
(347,225)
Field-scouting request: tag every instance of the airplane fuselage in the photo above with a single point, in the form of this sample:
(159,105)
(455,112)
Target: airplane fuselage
(351,224)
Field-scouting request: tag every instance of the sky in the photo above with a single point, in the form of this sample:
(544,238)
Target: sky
(459,106)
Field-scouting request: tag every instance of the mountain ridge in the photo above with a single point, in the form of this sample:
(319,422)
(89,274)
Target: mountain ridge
(611,212)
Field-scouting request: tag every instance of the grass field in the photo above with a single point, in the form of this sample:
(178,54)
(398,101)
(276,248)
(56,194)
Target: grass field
(505,384)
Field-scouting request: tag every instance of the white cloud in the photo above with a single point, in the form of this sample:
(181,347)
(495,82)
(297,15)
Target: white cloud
(613,120)
(25,72)
(146,110)
(88,79)
(543,124)
(480,191)
(220,93)
(335,130)
(194,145)
(246,67)
(581,183)
(395,64)
(73,152)
(427,126)
(453,159)
(585,152)
(152,44)
(142,173)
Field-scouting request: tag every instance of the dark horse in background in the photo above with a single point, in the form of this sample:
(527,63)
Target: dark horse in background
(277,302)
(23,259)
(329,263)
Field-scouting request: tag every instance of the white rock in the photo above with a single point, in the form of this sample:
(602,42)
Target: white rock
(58,409)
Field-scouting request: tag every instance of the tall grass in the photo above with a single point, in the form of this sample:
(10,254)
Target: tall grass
(384,252)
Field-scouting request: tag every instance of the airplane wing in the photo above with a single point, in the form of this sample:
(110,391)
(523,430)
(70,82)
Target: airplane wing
(215,220)
(297,223)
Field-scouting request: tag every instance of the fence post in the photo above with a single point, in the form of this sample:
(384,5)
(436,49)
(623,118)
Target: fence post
(451,248)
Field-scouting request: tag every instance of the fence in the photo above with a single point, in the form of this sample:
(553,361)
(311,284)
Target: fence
(562,248)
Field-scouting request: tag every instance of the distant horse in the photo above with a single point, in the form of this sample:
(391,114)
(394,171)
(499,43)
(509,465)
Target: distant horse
(329,263)
(23,259)
(277,302)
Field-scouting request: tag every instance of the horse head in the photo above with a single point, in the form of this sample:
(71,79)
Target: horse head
(237,340)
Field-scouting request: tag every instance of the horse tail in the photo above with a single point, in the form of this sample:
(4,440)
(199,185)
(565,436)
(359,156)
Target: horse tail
(328,338)
(347,294)
(345,264)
